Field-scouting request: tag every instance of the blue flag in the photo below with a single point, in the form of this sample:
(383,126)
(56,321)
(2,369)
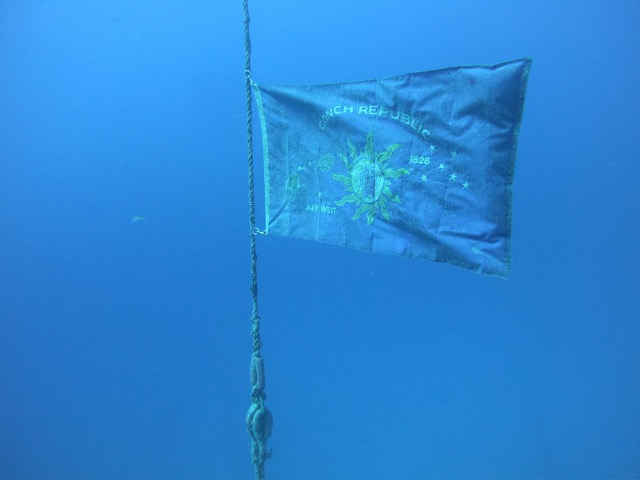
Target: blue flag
(419,165)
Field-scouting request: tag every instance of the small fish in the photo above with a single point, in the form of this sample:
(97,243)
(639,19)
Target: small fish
(137,218)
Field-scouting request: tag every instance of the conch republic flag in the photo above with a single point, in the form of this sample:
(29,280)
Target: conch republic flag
(419,165)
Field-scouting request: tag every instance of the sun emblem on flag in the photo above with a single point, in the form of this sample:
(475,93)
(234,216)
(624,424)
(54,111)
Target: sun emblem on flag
(368,183)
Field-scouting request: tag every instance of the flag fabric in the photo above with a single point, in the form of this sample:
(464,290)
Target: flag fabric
(419,165)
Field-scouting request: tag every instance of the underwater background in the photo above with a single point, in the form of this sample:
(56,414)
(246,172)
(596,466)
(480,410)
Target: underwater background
(125,346)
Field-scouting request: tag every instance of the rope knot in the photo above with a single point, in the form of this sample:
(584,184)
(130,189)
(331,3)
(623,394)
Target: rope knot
(259,423)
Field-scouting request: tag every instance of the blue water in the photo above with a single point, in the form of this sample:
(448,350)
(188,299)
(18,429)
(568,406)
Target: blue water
(125,347)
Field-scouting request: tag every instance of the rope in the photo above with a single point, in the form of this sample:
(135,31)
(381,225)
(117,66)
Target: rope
(259,420)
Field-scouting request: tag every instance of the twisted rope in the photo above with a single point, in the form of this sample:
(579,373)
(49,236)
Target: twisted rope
(259,420)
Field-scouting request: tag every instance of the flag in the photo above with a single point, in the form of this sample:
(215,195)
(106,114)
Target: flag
(419,165)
